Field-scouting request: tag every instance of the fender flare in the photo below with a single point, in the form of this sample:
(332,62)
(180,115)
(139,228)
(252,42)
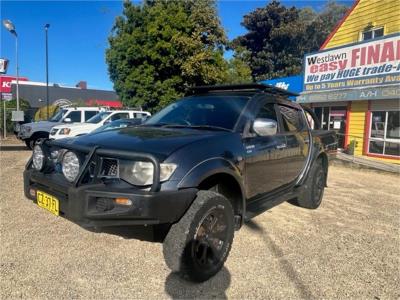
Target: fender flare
(318,153)
(39,133)
(215,166)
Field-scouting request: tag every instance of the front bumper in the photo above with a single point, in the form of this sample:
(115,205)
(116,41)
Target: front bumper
(92,205)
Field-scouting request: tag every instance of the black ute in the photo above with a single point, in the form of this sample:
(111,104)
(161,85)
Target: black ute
(192,173)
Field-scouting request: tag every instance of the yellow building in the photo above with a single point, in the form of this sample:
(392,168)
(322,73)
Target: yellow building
(353,82)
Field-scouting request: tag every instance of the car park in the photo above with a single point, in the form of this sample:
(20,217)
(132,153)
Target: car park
(105,117)
(30,133)
(194,173)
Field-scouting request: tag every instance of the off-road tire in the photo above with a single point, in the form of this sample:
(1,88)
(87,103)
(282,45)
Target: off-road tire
(180,241)
(313,187)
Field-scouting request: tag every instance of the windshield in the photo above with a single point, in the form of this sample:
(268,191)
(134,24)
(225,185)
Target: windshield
(58,116)
(207,111)
(99,117)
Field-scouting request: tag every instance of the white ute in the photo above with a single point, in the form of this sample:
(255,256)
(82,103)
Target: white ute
(31,132)
(71,130)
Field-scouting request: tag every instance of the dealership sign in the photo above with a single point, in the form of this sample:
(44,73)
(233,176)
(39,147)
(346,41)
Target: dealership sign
(368,63)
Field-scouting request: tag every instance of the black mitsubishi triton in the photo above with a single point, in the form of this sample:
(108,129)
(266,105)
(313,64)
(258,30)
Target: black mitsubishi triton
(193,173)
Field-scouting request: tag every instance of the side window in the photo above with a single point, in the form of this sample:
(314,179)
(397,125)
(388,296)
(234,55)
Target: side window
(267,112)
(75,116)
(291,118)
(89,114)
(118,116)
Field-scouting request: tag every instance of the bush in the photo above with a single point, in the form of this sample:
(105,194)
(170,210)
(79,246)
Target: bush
(41,113)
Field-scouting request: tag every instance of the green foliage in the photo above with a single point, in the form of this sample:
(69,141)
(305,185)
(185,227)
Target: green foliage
(238,68)
(278,37)
(158,49)
(41,113)
(11,106)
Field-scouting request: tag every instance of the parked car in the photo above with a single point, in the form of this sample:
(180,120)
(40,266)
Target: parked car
(122,123)
(105,117)
(32,132)
(193,173)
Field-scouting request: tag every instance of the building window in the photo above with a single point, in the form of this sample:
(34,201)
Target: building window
(372,33)
(385,133)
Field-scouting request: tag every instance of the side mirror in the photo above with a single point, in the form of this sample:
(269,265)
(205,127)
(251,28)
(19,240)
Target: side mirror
(265,127)
(67,120)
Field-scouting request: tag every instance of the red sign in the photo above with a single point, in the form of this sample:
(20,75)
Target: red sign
(110,103)
(5,83)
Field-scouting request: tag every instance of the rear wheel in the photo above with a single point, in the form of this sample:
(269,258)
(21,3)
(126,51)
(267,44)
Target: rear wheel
(198,245)
(314,187)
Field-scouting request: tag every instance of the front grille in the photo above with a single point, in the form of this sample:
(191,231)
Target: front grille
(109,167)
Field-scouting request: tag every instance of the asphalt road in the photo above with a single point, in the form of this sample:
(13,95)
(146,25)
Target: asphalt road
(349,247)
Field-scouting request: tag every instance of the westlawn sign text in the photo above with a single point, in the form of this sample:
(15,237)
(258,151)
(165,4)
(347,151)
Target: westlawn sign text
(368,63)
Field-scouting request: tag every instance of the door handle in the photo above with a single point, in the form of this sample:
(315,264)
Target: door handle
(281,146)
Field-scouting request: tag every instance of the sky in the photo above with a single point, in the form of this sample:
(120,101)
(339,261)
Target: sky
(77,37)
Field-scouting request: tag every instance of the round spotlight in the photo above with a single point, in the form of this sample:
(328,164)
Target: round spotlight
(38,158)
(70,166)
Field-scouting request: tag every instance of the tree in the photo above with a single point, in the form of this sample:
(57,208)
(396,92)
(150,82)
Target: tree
(238,68)
(159,49)
(278,37)
(323,23)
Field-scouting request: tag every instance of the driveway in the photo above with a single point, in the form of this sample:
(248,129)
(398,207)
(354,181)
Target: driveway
(349,247)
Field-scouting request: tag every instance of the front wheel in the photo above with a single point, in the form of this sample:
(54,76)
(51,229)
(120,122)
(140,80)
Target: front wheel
(198,245)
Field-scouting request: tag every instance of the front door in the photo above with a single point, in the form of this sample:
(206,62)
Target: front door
(264,161)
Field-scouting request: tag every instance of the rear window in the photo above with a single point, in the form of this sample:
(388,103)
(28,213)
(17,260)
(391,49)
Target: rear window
(291,118)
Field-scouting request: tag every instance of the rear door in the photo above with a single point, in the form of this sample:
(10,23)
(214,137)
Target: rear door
(264,160)
(295,129)
(89,114)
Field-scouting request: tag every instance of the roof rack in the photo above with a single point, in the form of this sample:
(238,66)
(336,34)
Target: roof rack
(243,87)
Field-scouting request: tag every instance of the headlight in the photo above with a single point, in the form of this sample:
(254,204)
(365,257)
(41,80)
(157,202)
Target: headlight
(38,158)
(65,131)
(25,129)
(141,172)
(70,166)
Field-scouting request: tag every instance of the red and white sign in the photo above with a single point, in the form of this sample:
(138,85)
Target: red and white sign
(5,83)
(368,63)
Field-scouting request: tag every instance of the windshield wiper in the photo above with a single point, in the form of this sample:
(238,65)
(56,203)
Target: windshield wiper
(205,127)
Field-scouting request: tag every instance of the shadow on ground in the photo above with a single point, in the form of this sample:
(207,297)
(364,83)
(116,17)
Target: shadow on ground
(284,264)
(214,288)
(13,148)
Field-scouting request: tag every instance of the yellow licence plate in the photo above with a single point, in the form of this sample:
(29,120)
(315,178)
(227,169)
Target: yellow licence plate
(48,202)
